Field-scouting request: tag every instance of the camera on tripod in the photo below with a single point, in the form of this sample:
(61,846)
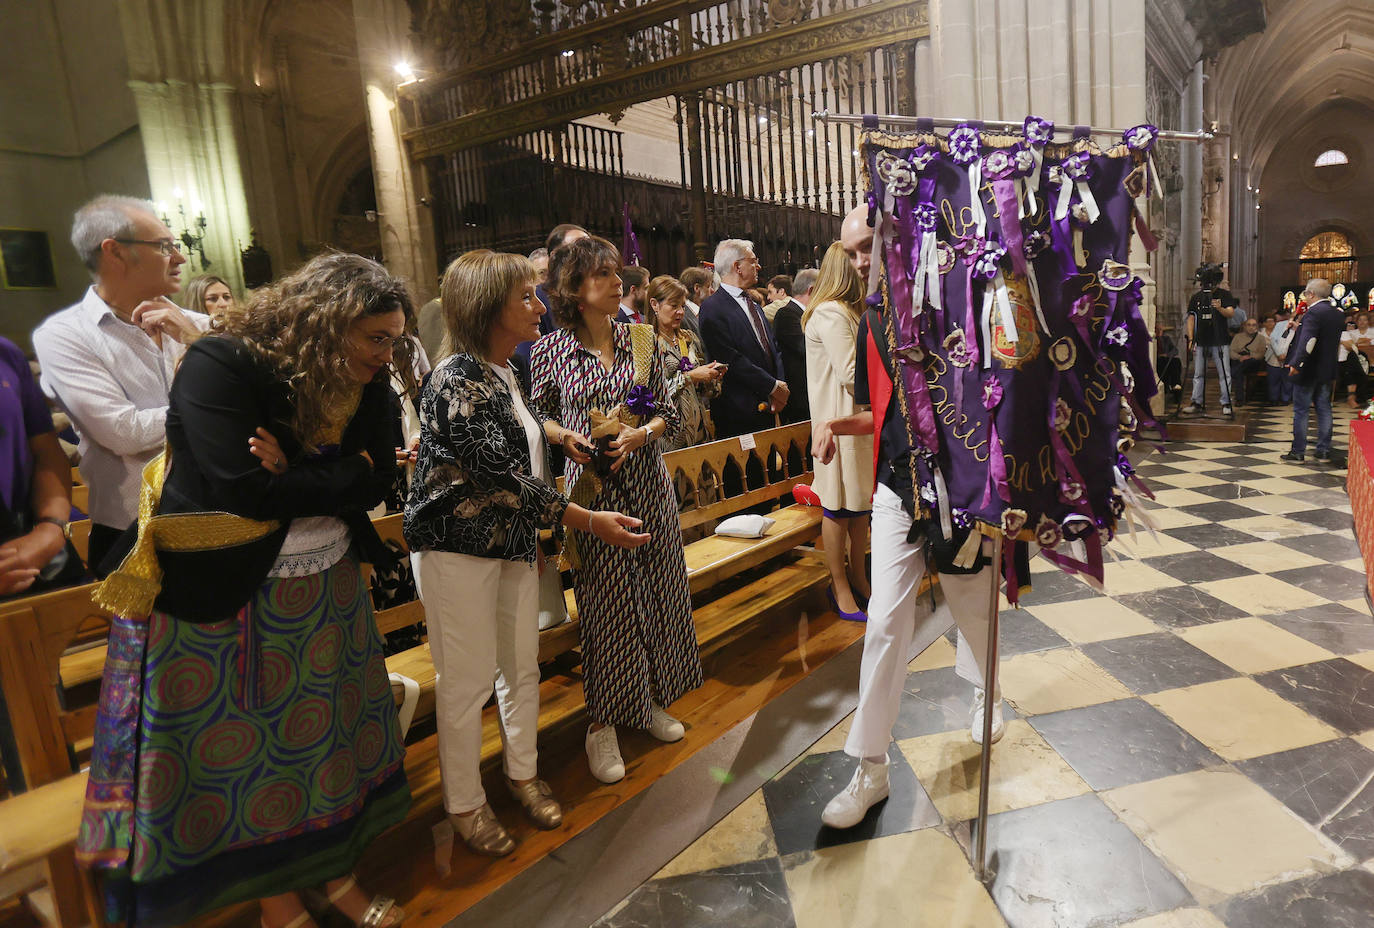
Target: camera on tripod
(1209,275)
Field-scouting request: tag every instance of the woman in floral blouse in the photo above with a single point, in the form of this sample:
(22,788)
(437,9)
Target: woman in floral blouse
(691,380)
(480,494)
(639,646)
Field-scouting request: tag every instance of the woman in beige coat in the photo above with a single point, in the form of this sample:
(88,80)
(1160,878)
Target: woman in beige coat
(845,485)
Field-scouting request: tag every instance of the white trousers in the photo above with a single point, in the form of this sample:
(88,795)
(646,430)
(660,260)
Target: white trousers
(894,626)
(483,619)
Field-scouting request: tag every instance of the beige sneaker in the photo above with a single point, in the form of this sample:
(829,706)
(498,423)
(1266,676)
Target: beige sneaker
(975,728)
(603,754)
(663,726)
(866,789)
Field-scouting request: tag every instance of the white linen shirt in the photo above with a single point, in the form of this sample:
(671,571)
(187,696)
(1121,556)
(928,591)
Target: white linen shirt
(113,381)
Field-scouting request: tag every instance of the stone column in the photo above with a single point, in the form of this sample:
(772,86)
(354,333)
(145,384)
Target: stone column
(190,143)
(407,230)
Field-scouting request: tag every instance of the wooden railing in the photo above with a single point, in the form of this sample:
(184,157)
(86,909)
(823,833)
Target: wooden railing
(529,76)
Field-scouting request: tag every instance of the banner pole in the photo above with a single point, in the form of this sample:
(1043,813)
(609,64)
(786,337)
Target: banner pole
(990,698)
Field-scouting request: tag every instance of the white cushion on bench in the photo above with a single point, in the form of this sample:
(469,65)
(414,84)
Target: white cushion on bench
(745,526)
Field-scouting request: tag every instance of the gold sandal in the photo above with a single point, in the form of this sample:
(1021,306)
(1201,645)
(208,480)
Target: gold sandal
(377,911)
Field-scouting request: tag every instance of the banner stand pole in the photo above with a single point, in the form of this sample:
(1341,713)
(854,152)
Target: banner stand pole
(990,698)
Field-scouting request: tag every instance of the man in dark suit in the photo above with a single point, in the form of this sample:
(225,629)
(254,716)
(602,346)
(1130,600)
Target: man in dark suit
(634,303)
(737,335)
(787,331)
(563,234)
(1312,366)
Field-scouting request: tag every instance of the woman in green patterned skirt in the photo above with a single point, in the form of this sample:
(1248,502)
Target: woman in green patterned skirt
(247,745)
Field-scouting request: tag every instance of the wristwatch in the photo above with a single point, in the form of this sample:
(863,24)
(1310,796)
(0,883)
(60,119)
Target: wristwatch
(60,523)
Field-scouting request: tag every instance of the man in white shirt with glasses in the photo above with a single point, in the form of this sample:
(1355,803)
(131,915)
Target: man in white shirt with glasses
(108,361)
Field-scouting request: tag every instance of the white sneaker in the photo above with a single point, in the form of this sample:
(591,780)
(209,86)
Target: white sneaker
(975,728)
(867,788)
(603,754)
(1226,410)
(1191,409)
(663,726)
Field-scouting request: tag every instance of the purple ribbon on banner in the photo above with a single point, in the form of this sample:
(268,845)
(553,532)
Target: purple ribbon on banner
(1003,166)
(907,355)
(997,461)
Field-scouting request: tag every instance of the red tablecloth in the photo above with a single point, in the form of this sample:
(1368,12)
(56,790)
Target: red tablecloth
(1359,483)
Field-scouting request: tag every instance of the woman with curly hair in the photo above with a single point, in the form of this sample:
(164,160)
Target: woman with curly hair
(481,493)
(603,379)
(247,745)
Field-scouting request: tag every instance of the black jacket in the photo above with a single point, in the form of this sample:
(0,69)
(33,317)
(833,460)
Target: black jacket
(1317,346)
(220,396)
(754,369)
(791,341)
(473,492)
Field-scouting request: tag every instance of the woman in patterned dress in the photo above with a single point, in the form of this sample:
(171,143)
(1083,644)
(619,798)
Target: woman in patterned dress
(639,647)
(247,745)
(691,381)
(480,495)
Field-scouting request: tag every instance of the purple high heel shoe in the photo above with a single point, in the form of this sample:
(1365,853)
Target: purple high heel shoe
(857,616)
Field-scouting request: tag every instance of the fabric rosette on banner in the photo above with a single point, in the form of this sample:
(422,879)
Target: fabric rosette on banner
(999,263)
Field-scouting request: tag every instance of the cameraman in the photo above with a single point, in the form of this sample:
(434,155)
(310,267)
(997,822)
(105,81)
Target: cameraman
(1207,334)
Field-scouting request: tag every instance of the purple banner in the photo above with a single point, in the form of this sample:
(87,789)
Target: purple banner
(1039,319)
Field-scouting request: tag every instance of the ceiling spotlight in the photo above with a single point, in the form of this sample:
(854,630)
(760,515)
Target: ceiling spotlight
(1235,157)
(568,53)
(406,72)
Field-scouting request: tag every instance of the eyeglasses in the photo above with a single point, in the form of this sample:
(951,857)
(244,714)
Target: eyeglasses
(166,246)
(380,344)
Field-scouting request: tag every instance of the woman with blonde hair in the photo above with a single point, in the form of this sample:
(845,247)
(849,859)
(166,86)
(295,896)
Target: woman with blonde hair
(247,745)
(481,492)
(691,379)
(210,295)
(845,484)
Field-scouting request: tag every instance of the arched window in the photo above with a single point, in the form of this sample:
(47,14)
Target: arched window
(1328,255)
(1331,156)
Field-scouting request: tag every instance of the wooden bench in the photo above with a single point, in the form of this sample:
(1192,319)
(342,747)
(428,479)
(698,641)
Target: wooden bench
(36,632)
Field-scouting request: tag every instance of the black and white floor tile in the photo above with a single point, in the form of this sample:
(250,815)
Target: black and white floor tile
(1195,747)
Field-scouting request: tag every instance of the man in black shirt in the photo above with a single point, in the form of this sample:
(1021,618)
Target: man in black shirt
(1208,336)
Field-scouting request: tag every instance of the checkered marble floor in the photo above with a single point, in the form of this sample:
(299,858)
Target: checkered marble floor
(1195,748)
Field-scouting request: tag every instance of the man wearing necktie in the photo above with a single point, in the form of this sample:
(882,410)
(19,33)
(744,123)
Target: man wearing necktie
(737,334)
(634,284)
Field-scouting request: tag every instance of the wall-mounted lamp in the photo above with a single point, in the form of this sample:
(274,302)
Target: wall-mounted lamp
(405,71)
(192,235)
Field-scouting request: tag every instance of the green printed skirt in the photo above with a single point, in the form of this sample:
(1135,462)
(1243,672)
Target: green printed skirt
(242,758)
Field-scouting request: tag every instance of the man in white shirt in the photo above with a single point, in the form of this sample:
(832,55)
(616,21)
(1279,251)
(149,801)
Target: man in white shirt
(108,360)
(1280,387)
(1356,341)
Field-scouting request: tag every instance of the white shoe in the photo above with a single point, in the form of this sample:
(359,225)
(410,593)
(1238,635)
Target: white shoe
(1226,410)
(663,726)
(975,728)
(603,754)
(867,788)
(1191,409)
